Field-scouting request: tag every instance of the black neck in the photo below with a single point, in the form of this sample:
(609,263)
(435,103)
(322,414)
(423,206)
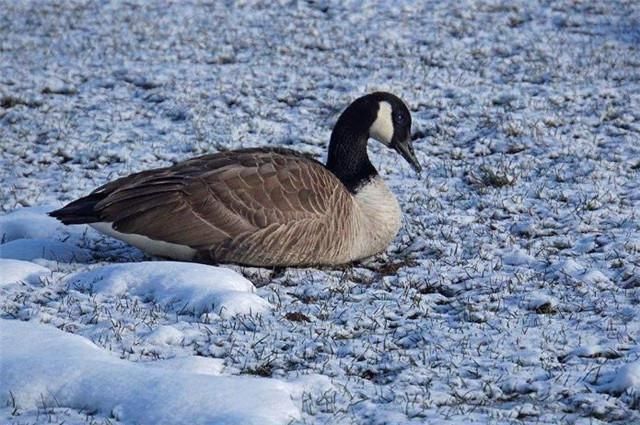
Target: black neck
(348,158)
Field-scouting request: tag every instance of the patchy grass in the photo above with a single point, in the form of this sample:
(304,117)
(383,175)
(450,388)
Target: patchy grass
(525,120)
(488,176)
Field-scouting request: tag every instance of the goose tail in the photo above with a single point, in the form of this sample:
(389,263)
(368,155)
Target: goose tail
(80,211)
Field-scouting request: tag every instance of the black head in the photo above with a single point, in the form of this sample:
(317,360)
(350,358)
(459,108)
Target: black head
(389,122)
(381,116)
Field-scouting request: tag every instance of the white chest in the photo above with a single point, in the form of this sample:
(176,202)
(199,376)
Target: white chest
(377,220)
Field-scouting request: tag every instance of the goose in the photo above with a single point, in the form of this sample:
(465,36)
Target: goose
(263,207)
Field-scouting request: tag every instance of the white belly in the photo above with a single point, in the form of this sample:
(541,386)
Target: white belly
(148,245)
(377,220)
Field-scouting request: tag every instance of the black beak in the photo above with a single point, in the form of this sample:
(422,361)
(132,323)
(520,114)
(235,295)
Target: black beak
(406,150)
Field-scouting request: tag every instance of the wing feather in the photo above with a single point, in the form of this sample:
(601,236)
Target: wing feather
(235,206)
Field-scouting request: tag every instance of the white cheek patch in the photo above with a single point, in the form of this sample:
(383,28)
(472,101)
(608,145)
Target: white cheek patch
(382,127)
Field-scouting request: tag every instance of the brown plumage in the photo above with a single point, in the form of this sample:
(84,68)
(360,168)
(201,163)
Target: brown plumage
(261,207)
(248,206)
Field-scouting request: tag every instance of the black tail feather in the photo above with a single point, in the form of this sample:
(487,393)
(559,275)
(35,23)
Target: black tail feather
(80,211)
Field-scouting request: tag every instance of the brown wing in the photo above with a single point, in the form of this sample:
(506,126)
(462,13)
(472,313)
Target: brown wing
(250,206)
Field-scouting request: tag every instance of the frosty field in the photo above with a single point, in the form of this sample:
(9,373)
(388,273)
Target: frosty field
(510,296)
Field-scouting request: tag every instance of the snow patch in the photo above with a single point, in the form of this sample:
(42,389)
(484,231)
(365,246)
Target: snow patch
(593,351)
(176,286)
(48,249)
(580,273)
(593,277)
(29,223)
(517,257)
(541,302)
(17,271)
(192,364)
(70,371)
(625,378)
(165,335)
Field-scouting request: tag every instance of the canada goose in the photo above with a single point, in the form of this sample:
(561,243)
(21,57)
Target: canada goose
(263,206)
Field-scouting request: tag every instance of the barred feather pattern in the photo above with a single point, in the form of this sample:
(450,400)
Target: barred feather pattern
(259,207)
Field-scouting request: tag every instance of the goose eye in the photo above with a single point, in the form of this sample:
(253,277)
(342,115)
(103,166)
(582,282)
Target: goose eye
(399,118)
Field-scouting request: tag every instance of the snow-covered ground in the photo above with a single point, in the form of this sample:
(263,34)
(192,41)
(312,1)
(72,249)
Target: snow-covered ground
(511,295)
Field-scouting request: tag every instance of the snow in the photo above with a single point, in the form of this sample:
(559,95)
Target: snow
(29,223)
(72,372)
(192,364)
(541,302)
(175,286)
(626,378)
(29,234)
(517,257)
(510,294)
(32,249)
(16,271)
(594,350)
(165,335)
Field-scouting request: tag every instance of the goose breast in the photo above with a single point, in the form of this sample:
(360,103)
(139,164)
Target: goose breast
(377,218)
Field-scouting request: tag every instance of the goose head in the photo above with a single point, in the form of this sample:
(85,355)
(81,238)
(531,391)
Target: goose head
(391,126)
(381,116)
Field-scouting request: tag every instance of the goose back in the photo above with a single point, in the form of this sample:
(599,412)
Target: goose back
(252,206)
